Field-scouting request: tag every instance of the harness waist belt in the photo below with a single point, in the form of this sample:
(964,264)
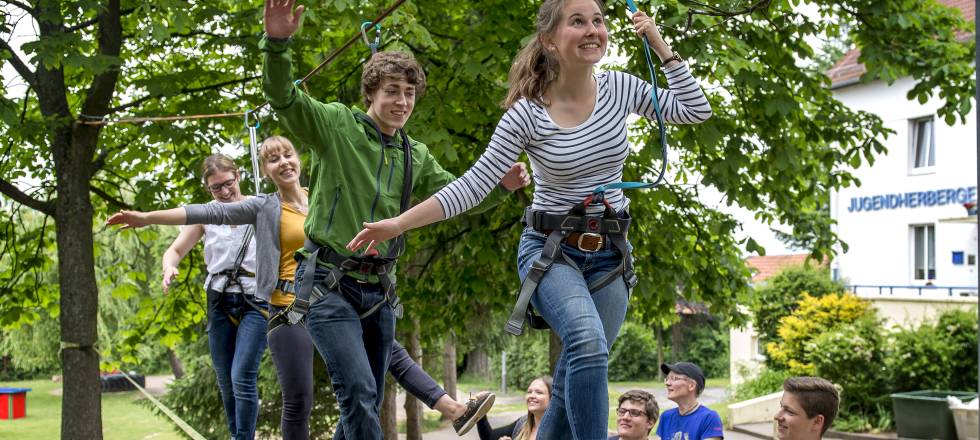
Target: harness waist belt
(307,293)
(588,233)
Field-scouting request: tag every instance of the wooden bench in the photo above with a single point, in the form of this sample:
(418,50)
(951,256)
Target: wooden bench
(13,403)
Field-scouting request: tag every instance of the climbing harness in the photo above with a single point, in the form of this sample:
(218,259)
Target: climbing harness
(307,292)
(589,233)
(234,279)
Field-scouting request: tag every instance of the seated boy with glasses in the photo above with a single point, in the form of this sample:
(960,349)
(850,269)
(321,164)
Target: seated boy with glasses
(637,413)
(690,420)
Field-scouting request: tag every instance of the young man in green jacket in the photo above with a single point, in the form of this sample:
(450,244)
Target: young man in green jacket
(359,173)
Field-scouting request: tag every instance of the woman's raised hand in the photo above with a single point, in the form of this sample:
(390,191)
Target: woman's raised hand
(128,219)
(516,178)
(645,26)
(281,21)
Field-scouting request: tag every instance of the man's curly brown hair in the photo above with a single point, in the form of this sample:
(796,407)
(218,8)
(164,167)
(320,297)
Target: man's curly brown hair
(393,66)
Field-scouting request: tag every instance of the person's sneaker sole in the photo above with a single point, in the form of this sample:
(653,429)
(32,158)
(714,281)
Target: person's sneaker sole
(480,413)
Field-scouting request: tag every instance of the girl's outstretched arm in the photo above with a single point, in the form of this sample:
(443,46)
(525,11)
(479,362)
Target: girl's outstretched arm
(138,219)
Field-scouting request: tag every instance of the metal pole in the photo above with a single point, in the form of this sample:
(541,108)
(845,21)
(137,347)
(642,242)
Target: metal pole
(976,102)
(503,369)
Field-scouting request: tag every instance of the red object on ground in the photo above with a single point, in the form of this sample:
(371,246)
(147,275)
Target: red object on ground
(13,403)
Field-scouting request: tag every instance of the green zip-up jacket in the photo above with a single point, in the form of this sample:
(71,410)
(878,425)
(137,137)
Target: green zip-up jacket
(353,179)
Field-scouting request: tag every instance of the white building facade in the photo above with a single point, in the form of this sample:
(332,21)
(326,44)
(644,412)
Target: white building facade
(906,226)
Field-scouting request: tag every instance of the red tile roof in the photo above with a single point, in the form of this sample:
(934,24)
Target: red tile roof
(847,70)
(765,267)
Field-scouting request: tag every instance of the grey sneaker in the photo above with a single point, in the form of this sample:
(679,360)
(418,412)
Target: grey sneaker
(478,406)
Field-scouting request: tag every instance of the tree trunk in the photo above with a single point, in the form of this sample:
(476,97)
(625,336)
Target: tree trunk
(413,408)
(81,405)
(676,342)
(554,350)
(478,363)
(176,366)
(449,366)
(72,149)
(389,409)
(659,331)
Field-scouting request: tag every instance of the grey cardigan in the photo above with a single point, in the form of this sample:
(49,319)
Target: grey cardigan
(264,212)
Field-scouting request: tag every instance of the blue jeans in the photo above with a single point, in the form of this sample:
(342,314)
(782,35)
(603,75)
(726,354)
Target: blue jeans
(355,350)
(587,324)
(235,354)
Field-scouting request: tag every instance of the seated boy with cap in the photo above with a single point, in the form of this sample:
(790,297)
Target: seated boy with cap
(690,420)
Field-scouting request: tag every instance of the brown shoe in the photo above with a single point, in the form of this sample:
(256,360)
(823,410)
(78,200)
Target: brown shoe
(478,406)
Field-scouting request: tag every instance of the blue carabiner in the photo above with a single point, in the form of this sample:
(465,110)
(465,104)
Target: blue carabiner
(377,35)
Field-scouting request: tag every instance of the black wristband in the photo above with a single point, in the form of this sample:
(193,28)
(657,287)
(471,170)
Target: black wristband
(278,40)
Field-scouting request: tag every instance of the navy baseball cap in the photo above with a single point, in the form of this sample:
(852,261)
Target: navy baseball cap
(688,369)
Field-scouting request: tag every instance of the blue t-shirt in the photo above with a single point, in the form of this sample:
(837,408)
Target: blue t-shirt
(700,424)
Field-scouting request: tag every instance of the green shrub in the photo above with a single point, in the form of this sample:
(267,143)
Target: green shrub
(766,382)
(936,356)
(196,399)
(779,296)
(813,317)
(527,358)
(634,354)
(959,328)
(852,356)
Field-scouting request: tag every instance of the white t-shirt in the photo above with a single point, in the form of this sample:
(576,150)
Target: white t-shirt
(221,245)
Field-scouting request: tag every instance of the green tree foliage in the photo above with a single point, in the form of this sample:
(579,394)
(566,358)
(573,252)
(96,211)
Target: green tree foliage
(778,296)
(634,355)
(776,145)
(706,343)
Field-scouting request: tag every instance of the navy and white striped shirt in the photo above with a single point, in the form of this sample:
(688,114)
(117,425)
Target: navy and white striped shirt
(568,163)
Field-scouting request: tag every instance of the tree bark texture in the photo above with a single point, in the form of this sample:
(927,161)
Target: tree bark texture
(413,408)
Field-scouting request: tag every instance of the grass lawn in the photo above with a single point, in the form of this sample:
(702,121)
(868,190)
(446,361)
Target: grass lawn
(122,417)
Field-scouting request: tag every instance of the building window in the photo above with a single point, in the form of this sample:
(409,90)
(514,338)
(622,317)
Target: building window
(922,143)
(924,252)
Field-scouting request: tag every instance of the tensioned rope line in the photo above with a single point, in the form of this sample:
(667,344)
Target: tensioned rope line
(332,56)
(173,416)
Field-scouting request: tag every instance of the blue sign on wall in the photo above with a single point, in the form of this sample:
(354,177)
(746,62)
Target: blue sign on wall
(914,199)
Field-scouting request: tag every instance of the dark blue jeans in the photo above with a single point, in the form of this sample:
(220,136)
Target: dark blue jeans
(355,350)
(587,324)
(235,354)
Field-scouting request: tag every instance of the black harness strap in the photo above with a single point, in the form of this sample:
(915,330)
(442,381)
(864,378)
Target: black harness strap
(560,225)
(234,279)
(307,293)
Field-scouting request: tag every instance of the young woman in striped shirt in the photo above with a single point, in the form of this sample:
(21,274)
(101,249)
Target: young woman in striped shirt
(571,122)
